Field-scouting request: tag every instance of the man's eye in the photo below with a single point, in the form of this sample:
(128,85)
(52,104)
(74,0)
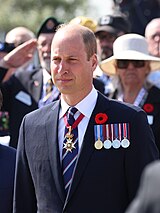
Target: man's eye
(55,59)
(73,59)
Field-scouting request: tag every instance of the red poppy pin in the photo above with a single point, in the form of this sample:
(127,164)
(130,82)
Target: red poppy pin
(148,108)
(101,118)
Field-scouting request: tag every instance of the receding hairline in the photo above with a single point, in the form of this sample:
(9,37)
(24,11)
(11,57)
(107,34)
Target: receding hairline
(70,26)
(87,35)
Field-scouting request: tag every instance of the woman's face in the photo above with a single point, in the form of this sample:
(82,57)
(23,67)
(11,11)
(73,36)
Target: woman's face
(132,72)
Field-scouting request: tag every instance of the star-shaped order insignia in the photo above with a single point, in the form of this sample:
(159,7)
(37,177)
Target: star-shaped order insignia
(69,145)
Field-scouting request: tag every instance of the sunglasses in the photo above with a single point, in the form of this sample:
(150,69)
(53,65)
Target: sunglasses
(123,64)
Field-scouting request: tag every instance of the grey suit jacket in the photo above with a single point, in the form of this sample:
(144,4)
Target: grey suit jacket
(104,180)
(148,196)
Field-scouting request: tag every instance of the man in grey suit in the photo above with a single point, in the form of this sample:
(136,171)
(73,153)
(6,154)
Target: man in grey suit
(83,153)
(148,196)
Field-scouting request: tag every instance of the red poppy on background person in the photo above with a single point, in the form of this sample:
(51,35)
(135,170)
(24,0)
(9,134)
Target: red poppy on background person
(101,118)
(148,107)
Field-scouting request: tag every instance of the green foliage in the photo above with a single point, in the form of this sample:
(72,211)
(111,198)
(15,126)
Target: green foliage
(31,13)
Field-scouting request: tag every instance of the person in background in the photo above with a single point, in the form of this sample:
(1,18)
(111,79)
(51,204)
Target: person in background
(130,66)
(44,39)
(152,34)
(83,152)
(7,170)
(109,28)
(85,21)
(14,38)
(147,199)
(5,48)
(26,91)
(17,36)
(140,12)
(92,25)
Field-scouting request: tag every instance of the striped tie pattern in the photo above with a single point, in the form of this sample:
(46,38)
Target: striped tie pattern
(69,156)
(49,88)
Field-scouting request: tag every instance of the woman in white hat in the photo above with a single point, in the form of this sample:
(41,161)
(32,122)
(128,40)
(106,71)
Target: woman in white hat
(130,66)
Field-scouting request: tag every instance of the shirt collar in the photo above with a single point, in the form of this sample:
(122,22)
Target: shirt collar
(83,106)
(46,76)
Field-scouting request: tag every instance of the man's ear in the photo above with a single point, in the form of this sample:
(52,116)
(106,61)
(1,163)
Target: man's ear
(94,61)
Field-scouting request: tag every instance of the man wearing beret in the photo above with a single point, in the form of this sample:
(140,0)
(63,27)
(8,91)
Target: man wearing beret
(26,91)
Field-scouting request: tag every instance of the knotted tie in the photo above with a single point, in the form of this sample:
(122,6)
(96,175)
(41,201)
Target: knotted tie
(70,148)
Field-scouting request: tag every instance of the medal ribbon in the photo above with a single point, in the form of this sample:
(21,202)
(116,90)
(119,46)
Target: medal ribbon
(112,132)
(106,132)
(98,129)
(116,131)
(126,130)
(120,133)
(75,124)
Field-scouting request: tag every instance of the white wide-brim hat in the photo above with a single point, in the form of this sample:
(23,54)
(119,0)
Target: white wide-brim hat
(129,47)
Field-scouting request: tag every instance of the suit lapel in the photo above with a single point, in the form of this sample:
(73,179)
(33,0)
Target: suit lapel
(52,138)
(88,144)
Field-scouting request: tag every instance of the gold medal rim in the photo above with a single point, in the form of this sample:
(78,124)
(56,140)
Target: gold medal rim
(98,144)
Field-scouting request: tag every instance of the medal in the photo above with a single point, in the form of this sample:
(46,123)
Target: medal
(70,142)
(116,144)
(69,145)
(98,144)
(69,135)
(98,136)
(125,143)
(107,144)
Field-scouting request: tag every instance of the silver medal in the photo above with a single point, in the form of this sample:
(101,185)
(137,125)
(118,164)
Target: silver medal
(125,143)
(107,144)
(116,144)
